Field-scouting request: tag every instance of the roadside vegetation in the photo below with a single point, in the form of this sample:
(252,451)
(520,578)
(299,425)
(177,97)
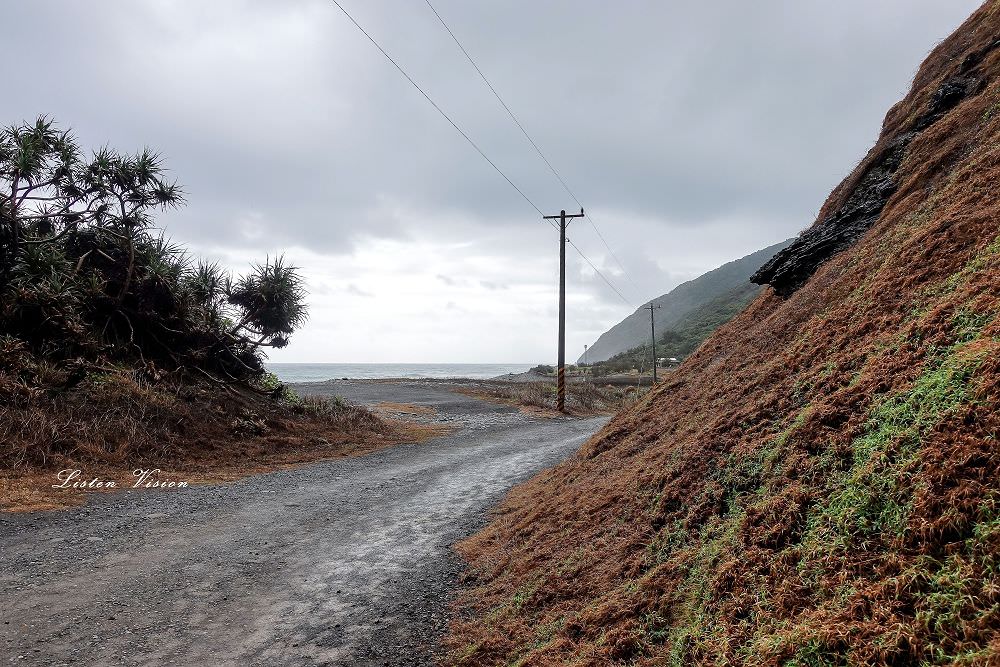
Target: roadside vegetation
(582,397)
(117,346)
(684,338)
(86,279)
(546,370)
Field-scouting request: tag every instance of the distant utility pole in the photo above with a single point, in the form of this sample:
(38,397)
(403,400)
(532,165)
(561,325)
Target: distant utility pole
(585,356)
(652,334)
(561,382)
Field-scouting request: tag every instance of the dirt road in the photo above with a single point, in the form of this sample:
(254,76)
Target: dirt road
(346,562)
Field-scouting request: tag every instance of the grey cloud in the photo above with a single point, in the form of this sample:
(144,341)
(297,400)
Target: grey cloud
(450,282)
(667,119)
(357,291)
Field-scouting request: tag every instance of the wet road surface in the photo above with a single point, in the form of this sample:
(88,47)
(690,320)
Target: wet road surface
(346,562)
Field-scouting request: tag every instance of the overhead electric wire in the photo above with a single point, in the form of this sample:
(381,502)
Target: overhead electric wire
(471,142)
(534,145)
(439,110)
(598,271)
(611,252)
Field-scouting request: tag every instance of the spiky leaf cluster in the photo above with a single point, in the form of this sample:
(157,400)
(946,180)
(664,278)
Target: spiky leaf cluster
(84,274)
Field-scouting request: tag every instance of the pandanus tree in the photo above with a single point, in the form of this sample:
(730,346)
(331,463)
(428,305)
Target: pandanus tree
(271,298)
(82,271)
(52,191)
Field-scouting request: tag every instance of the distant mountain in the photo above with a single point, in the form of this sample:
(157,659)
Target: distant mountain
(699,300)
(685,335)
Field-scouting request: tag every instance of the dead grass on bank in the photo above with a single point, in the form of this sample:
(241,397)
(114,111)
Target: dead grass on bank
(111,425)
(539,398)
(408,409)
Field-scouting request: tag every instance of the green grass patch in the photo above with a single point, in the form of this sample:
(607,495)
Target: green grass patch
(872,501)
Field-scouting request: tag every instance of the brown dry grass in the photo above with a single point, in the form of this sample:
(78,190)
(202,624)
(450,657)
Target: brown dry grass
(539,398)
(390,407)
(111,425)
(819,484)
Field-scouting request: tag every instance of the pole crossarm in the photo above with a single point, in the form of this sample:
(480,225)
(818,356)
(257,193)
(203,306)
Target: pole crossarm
(564,214)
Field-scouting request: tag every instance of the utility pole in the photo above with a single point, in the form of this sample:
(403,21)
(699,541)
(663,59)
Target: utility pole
(652,335)
(585,356)
(561,381)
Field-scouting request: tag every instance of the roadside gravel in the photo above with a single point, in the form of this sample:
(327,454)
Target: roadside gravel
(346,562)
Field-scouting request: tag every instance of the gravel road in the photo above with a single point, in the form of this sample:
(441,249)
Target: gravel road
(347,562)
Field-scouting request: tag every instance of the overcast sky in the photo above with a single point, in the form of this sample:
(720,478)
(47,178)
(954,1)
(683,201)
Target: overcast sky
(694,132)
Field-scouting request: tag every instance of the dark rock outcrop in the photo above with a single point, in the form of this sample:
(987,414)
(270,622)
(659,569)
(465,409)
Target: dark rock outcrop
(790,268)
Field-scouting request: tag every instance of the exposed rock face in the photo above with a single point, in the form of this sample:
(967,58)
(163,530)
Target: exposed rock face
(789,269)
(946,98)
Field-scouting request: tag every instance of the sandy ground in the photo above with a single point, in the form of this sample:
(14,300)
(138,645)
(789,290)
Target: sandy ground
(346,562)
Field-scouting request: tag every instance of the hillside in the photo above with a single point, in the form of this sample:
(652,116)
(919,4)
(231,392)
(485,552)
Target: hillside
(687,334)
(633,331)
(819,483)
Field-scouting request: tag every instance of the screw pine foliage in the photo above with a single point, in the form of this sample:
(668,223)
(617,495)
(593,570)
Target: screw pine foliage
(85,276)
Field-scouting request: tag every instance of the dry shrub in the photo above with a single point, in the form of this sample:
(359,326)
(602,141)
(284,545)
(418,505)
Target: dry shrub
(106,419)
(581,397)
(339,414)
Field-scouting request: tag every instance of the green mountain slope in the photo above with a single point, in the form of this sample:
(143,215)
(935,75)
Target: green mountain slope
(682,301)
(687,334)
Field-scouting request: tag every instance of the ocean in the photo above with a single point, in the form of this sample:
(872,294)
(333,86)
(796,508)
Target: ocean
(320,372)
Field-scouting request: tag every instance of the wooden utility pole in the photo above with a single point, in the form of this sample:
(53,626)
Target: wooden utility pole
(561,381)
(652,335)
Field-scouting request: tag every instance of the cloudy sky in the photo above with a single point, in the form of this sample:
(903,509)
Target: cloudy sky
(693,132)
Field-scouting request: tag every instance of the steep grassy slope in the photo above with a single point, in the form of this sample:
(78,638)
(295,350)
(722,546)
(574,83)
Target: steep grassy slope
(679,302)
(820,483)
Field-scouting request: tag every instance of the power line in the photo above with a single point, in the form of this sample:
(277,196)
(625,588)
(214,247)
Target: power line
(471,142)
(531,141)
(439,110)
(598,271)
(502,103)
(612,252)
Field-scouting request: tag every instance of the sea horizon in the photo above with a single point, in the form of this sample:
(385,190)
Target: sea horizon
(319,372)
